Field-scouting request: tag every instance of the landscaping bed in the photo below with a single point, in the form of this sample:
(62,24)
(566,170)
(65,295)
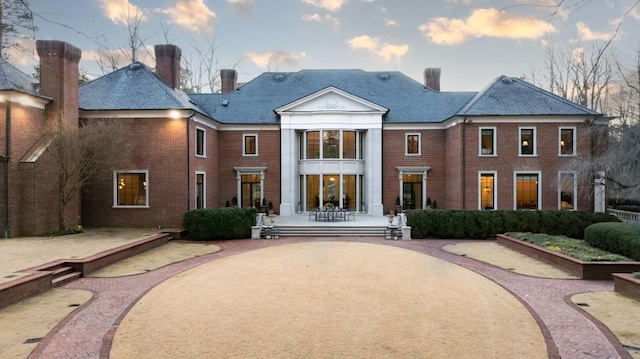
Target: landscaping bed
(596,268)
(627,284)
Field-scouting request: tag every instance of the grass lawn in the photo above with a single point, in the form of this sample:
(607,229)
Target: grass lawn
(575,248)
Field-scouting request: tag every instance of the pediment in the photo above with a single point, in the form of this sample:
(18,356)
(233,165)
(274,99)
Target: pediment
(331,99)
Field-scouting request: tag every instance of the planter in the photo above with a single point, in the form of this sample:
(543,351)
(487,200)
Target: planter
(579,268)
(625,283)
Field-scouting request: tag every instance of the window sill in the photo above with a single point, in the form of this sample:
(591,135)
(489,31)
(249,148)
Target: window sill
(521,155)
(413,154)
(129,207)
(571,155)
(201,156)
(249,155)
(482,155)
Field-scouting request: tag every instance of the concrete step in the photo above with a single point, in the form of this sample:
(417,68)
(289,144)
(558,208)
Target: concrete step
(320,231)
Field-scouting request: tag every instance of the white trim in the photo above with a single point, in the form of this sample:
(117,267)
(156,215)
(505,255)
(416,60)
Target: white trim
(244,149)
(204,142)
(515,187)
(495,188)
(24,99)
(406,144)
(574,205)
(290,107)
(249,128)
(535,141)
(115,188)
(494,139)
(204,189)
(574,149)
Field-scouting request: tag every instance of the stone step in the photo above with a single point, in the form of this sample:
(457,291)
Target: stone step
(319,231)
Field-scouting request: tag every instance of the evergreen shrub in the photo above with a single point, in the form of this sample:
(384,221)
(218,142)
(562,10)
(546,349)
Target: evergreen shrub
(461,224)
(621,238)
(219,223)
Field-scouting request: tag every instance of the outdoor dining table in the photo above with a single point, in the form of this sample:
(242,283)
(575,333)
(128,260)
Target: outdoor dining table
(330,214)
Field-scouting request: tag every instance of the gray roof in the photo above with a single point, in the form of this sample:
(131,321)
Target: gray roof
(407,100)
(135,87)
(509,96)
(12,79)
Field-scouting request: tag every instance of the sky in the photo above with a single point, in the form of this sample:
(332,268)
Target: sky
(472,41)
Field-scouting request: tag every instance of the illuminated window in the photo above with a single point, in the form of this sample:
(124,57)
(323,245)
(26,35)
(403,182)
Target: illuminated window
(250,145)
(487,190)
(330,144)
(131,189)
(200,142)
(527,141)
(527,190)
(349,144)
(567,141)
(412,144)
(487,141)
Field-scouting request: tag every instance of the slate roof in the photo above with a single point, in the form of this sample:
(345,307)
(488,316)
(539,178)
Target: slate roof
(509,96)
(407,100)
(12,79)
(134,87)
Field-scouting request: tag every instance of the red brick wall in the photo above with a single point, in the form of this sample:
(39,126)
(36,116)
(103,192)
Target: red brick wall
(453,196)
(157,145)
(208,164)
(507,161)
(231,154)
(432,154)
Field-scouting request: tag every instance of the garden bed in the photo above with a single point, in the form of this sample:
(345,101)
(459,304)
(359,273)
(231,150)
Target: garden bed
(625,283)
(579,268)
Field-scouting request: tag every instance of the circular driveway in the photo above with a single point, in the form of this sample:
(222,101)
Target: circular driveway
(329,299)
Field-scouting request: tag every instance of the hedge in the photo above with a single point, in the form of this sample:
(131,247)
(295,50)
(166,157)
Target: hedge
(486,224)
(219,223)
(621,238)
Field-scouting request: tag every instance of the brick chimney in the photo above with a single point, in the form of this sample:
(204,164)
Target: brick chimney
(228,80)
(432,78)
(59,80)
(168,64)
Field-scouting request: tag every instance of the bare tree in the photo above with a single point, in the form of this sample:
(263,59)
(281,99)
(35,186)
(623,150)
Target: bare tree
(15,16)
(80,153)
(200,70)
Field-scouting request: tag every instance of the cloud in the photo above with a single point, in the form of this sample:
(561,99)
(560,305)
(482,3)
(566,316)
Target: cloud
(390,23)
(118,57)
(587,34)
(484,23)
(25,55)
(326,19)
(331,5)
(381,49)
(119,11)
(267,60)
(192,15)
(242,6)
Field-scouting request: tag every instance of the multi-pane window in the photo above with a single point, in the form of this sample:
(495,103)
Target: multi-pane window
(527,141)
(527,190)
(250,145)
(487,141)
(487,190)
(331,144)
(567,141)
(131,189)
(567,190)
(412,144)
(200,190)
(200,142)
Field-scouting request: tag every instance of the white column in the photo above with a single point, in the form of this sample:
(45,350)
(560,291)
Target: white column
(287,171)
(424,191)
(400,177)
(373,171)
(599,198)
(239,188)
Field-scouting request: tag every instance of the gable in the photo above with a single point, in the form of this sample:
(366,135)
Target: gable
(331,100)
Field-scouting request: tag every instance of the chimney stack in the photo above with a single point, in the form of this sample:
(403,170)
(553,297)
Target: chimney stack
(228,80)
(59,80)
(432,78)
(168,64)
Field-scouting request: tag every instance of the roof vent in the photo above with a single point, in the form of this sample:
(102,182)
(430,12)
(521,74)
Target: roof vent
(384,77)
(225,102)
(507,80)
(279,77)
(135,65)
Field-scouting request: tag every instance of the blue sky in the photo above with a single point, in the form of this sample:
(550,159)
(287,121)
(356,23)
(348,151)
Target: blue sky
(472,41)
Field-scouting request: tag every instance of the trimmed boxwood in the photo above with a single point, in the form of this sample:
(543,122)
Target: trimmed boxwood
(219,223)
(621,238)
(486,224)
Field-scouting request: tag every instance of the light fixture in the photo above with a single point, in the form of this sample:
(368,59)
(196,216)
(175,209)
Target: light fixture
(525,143)
(562,143)
(174,114)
